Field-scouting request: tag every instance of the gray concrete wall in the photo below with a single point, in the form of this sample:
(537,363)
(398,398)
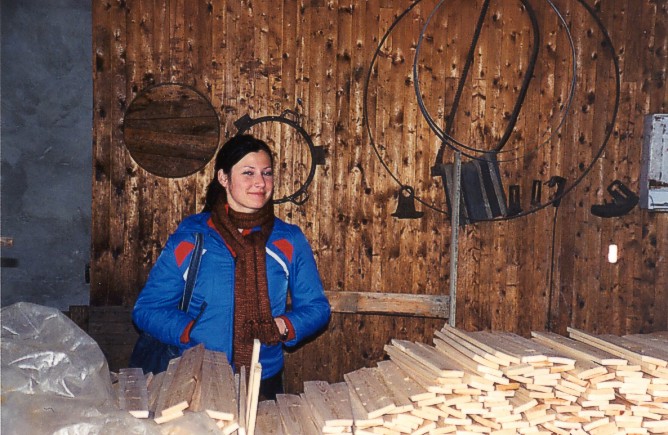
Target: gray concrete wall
(45,150)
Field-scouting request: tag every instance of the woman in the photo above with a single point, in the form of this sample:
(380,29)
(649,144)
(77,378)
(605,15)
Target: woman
(251,261)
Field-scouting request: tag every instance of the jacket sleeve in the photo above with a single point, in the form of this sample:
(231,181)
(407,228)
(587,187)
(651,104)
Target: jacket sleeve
(156,310)
(310,308)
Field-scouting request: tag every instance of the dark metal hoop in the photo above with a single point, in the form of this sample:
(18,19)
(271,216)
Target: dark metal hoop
(317,153)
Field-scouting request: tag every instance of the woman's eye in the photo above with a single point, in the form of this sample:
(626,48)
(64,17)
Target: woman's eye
(268,174)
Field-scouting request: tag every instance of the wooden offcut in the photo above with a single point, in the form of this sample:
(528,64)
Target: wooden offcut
(253,398)
(268,420)
(165,401)
(216,394)
(133,392)
(368,388)
(329,404)
(295,414)
(183,383)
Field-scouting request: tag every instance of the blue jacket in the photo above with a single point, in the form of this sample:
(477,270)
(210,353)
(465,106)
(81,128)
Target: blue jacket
(291,269)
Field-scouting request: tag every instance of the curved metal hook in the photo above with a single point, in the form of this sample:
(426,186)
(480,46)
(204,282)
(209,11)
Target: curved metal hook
(317,152)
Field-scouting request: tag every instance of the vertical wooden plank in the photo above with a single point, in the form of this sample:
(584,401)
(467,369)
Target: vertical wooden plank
(565,287)
(141,74)
(119,158)
(557,265)
(292,51)
(587,141)
(133,392)
(552,83)
(160,40)
(616,166)
(100,273)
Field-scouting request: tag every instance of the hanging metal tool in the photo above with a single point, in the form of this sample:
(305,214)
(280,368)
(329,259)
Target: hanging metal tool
(406,204)
(623,201)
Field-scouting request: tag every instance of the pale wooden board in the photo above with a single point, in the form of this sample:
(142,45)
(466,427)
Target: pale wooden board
(133,392)
(420,373)
(254,394)
(579,350)
(506,343)
(522,401)
(430,357)
(229,427)
(486,340)
(163,394)
(255,358)
(340,394)
(595,341)
(532,350)
(647,352)
(466,339)
(154,388)
(295,415)
(658,335)
(372,392)
(656,342)
(360,415)
(403,387)
(268,420)
(586,350)
(324,401)
(185,379)
(217,394)
(242,393)
(470,350)
(467,364)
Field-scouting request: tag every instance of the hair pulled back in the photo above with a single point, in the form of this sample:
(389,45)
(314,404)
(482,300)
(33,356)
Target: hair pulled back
(229,155)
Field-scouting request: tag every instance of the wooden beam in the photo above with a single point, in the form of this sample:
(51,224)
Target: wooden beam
(398,304)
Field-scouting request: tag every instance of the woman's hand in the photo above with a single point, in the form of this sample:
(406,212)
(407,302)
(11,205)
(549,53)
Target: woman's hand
(282,327)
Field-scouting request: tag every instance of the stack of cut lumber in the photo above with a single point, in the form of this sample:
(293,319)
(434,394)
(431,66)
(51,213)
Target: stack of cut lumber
(484,382)
(640,385)
(465,383)
(199,381)
(488,382)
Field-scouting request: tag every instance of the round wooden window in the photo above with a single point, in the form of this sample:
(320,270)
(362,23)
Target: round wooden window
(171,130)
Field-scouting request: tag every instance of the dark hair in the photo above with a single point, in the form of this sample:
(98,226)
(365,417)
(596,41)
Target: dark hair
(229,155)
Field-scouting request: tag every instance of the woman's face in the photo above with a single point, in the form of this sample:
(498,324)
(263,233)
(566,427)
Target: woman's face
(250,183)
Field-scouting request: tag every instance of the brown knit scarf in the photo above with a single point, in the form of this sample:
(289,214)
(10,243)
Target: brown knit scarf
(252,310)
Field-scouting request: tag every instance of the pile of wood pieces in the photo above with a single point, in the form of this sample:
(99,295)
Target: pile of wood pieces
(465,383)
(200,381)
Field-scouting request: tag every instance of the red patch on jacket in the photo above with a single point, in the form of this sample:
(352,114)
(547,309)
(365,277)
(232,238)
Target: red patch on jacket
(285,247)
(182,251)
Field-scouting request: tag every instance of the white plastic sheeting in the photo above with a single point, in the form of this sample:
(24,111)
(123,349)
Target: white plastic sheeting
(55,380)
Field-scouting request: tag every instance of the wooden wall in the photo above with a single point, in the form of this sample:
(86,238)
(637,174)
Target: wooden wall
(262,57)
